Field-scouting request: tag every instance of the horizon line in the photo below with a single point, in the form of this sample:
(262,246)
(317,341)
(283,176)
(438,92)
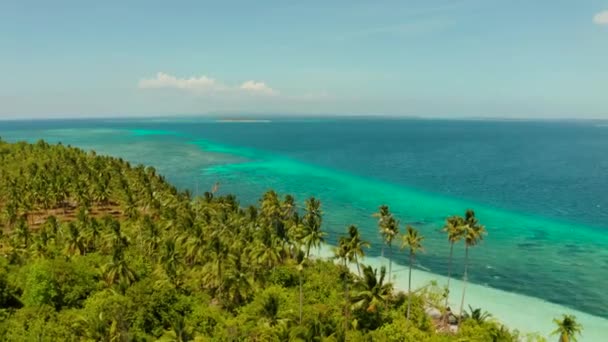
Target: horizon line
(284,116)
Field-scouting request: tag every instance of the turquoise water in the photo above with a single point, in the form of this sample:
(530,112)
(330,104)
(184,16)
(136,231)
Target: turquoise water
(538,187)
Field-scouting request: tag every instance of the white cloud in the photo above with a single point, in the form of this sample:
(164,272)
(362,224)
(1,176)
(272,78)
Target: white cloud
(258,87)
(203,84)
(164,80)
(601,18)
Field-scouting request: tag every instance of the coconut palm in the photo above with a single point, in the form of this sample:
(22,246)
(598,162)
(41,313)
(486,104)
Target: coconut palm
(314,330)
(412,241)
(313,236)
(356,246)
(23,233)
(288,208)
(454,228)
(371,292)
(75,242)
(51,226)
(383,216)
(218,250)
(10,213)
(180,331)
(267,255)
(171,259)
(195,243)
(271,310)
(238,284)
(118,271)
(151,236)
(116,241)
(567,328)
(270,206)
(473,234)
(477,314)
(390,232)
(39,247)
(300,267)
(92,233)
(341,252)
(388,228)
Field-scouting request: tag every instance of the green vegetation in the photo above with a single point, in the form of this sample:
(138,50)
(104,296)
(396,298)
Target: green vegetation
(94,249)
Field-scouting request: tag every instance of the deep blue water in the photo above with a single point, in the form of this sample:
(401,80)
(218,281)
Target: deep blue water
(540,187)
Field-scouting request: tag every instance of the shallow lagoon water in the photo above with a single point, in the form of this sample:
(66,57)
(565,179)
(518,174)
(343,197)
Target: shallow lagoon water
(543,253)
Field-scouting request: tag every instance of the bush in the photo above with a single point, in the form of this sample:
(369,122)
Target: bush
(59,282)
(285,276)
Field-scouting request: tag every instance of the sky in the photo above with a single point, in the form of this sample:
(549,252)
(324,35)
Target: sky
(477,58)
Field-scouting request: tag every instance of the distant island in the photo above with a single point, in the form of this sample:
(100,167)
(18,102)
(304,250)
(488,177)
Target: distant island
(244,120)
(94,248)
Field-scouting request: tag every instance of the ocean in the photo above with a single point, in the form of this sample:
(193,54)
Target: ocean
(539,187)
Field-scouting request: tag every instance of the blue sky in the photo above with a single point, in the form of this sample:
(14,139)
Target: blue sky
(481,58)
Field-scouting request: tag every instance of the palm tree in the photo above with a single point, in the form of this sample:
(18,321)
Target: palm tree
(372,292)
(313,330)
(341,251)
(412,240)
(288,208)
(171,259)
(344,252)
(195,242)
(383,216)
(270,206)
(267,255)
(271,310)
(39,247)
(313,236)
(180,331)
(300,258)
(300,267)
(52,227)
(10,213)
(454,228)
(477,314)
(74,240)
(151,236)
(219,251)
(567,328)
(238,284)
(92,234)
(23,233)
(388,227)
(118,271)
(116,241)
(356,245)
(473,234)
(390,232)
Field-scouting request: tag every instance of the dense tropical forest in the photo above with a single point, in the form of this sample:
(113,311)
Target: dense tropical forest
(95,249)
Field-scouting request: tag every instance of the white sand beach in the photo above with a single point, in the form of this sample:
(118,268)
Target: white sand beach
(524,313)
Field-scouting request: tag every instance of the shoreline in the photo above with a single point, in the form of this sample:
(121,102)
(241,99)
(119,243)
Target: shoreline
(346,186)
(516,311)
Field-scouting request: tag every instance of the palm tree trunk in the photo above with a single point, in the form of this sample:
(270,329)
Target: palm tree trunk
(358,267)
(219,274)
(409,287)
(301,297)
(390,263)
(346,310)
(464,286)
(449,273)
